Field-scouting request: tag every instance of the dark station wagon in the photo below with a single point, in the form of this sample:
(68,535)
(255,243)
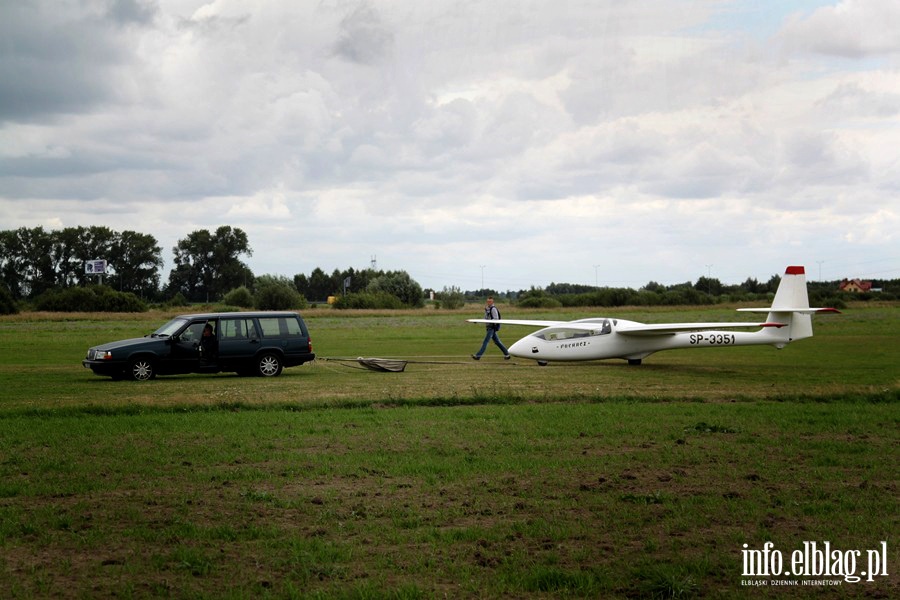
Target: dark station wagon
(248,343)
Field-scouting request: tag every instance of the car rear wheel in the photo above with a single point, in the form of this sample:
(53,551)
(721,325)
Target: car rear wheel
(269,365)
(141,369)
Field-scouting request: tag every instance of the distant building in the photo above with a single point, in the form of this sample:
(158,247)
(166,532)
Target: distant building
(856,286)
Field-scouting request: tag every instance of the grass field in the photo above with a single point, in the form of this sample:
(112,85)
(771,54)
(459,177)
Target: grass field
(454,478)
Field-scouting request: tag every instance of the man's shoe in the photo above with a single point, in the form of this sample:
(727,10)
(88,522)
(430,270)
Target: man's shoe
(506,357)
(476,357)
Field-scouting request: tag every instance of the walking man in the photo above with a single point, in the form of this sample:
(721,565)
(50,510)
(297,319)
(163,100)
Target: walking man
(492,314)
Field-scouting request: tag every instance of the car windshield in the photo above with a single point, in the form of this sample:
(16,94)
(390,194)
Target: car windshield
(169,328)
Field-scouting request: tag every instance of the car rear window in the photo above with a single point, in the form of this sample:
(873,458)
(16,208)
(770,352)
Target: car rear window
(280,327)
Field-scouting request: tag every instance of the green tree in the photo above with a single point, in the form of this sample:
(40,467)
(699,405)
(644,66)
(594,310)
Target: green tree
(655,287)
(33,261)
(277,293)
(68,257)
(136,260)
(240,296)
(752,286)
(319,285)
(369,300)
(7,304)
(452,298)
(26,262)
(399,284)
(208,264)
(709,285)
(537,298)
(74,246)
(11,263)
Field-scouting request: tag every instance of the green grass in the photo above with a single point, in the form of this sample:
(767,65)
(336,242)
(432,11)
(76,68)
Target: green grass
(454,478)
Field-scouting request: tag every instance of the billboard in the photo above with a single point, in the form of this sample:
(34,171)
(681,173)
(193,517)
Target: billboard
(95,267)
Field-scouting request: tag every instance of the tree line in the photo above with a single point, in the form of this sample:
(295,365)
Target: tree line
(34,261)
(47,269)
(705,290)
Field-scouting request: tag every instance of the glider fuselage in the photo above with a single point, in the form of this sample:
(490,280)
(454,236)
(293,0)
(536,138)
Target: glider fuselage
(559,343)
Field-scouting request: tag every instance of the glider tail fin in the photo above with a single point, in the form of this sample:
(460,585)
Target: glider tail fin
(791,297)
(791,309)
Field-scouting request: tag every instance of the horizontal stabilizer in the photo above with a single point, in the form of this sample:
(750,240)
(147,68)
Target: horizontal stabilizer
(802,311)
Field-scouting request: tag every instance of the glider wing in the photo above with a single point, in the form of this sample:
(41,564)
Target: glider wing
(531,323)
(672,328)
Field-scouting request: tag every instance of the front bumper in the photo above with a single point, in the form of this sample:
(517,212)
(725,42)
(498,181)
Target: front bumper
(106,368)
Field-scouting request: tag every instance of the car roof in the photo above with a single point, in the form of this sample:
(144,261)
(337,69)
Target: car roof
(246,314)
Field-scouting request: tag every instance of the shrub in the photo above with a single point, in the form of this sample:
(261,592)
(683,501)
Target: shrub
(539,302)
(177,300)
(537,298)
(277,293)
(451,298)
(97,298)
(240,296)
(381,300)
(400,285)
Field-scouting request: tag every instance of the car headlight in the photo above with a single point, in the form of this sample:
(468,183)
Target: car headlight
(99,355)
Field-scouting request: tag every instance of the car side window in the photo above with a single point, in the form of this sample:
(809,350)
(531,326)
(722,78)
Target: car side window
(238,329)
(280,327)
(193,332)
(269,326)
(293,328)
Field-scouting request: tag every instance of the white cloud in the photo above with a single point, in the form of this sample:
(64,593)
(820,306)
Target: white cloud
(850,29)
(538,139)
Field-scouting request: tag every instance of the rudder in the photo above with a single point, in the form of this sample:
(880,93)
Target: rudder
(791,297)
(791,294)
(790,309)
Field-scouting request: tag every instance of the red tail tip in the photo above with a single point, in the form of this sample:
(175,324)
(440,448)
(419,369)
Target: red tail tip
(795,271)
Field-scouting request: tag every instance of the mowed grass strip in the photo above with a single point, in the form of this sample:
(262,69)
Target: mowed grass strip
(852,355)
(490,479)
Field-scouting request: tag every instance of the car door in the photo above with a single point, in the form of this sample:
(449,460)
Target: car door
(185,354)
(287,333)
(238,342)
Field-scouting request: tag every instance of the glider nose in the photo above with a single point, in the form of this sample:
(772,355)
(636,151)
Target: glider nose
(521,349)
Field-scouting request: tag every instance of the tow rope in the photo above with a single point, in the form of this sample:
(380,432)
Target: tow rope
(385,365)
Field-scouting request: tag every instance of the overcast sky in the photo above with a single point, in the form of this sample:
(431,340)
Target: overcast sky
(505,142)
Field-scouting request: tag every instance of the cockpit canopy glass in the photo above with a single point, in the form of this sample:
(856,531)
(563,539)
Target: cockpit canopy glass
(589,328)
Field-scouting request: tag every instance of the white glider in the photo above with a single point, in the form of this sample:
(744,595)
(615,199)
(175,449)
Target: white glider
(598,338)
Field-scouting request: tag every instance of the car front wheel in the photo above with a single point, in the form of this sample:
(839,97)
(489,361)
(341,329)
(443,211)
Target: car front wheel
(141,369)
(269,365)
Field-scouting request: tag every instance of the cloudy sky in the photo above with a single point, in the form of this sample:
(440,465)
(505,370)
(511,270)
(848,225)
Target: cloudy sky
(507,143)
